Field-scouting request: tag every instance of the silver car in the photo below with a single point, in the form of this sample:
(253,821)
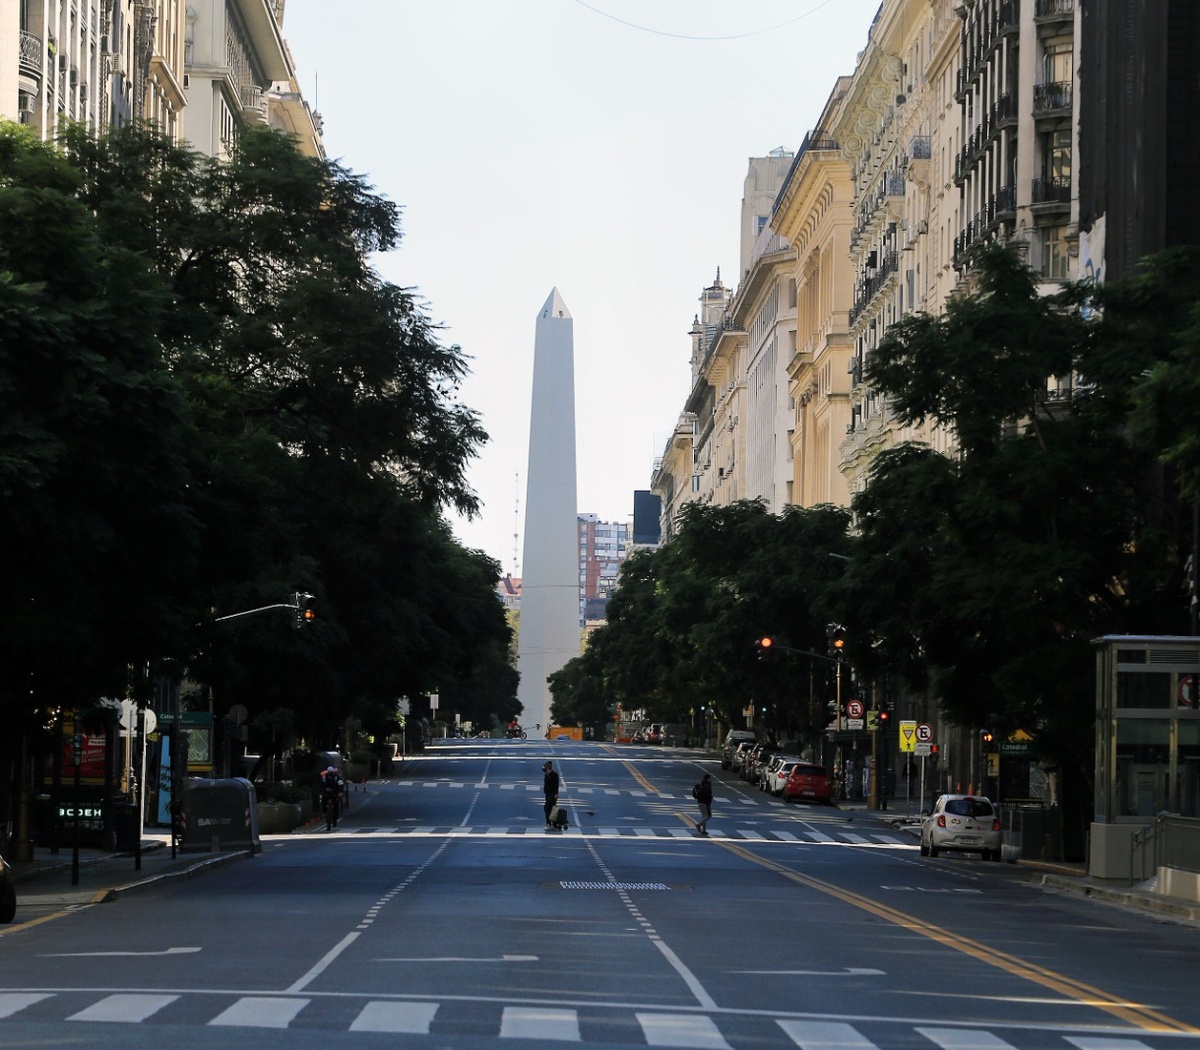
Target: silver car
(964,824)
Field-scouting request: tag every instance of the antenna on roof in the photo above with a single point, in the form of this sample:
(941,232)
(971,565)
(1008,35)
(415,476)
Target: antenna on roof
(516,518)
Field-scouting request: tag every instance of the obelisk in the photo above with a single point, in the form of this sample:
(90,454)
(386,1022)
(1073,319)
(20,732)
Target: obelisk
(550,631)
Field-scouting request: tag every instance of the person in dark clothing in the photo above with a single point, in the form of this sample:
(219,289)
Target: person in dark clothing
(703,795)
(550,784)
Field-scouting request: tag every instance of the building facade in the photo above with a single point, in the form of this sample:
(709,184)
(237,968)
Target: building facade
(199,71)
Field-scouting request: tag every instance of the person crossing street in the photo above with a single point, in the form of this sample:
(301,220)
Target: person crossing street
(703,794)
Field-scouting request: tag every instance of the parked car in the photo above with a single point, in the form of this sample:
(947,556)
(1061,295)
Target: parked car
(654,734)
(734,737)
(758,755)
(777,776)
(740,753)
(8,892)
(962,823)
(808,782)
(766,769)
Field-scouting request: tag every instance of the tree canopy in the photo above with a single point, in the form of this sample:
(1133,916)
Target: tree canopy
(210,400)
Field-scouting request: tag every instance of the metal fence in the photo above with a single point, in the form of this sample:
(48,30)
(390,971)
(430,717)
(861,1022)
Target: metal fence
(1170,842)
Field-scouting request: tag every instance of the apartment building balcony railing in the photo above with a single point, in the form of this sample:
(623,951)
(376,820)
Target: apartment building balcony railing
(873,283)
(254,103)
(1055,193)
(1045,10)
(1052,99)
(992,27)
(30,59)
(816,140)
(1001,207)
(1001,114)
(892,186)
(920,147)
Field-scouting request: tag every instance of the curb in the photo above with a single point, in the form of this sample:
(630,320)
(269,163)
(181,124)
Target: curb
(1151,902)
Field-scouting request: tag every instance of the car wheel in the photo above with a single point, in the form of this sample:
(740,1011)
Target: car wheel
(8,903)
(924,850)
(933,850)
(991,854)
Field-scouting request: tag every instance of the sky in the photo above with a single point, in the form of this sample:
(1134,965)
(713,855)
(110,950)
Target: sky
(594,146)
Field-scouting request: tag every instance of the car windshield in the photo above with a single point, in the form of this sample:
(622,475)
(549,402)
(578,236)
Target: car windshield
(808,771)
(969,807)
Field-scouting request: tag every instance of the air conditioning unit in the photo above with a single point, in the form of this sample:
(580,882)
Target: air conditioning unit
(83,92)
(24,103)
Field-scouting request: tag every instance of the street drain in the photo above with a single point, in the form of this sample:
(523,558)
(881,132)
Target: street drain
(614,886)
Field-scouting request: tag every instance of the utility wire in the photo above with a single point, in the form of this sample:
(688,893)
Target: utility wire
(686,36)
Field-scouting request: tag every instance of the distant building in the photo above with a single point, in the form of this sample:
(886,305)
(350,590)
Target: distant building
(602,549)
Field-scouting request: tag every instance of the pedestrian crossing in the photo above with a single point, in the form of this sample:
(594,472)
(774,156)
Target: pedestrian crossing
(532,1023)
(810,836)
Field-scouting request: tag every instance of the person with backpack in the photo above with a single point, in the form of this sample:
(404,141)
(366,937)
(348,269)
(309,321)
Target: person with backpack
(332,787)
(550,785)
(703,795)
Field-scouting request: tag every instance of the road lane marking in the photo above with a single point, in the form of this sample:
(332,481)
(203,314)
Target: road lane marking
(266,1011)
(14,1002)
(825,1035)
(409,1018)
(964,1039)
(534,1022)
(1141,1016)
(96,955)
(693,1031)
(128,1008)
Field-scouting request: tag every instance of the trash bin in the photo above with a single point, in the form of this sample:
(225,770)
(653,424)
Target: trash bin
(126,828)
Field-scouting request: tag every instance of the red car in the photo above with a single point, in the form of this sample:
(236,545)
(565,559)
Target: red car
(808,783)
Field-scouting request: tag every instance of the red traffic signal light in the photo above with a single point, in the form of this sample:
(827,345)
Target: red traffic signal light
(306,608)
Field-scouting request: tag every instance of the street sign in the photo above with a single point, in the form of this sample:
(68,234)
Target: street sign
(854,709)
(908,736)
(854,723)
(1187,691)
(924,733)
(923,749)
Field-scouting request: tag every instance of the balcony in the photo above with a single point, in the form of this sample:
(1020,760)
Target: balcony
(1053,10)
(1051,100)
(870,286)
(1050,194)
(31,55)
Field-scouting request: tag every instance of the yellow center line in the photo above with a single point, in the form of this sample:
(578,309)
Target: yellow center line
(1142,1017)
(637,775)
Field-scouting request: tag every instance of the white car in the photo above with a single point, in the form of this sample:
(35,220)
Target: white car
(963,824)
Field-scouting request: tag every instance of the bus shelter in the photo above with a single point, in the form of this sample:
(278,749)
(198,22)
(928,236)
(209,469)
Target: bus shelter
(1147,741)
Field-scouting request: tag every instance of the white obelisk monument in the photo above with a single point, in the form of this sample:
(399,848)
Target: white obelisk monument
(550,631)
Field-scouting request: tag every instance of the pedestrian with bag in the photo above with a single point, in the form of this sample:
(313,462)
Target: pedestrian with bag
(550,785)
(703,794)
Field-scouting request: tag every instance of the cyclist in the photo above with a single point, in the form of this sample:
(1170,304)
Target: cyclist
(332,786)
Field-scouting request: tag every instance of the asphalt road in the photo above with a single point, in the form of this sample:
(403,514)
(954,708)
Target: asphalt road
(441,914)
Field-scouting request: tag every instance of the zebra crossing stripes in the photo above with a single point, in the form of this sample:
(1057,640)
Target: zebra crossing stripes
(806,837)
(526,1023)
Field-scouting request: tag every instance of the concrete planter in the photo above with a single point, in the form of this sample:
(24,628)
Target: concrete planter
(277,818)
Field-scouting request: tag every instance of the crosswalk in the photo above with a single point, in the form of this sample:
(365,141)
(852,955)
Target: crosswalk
(697,1030)
(809,836)
(531,1023)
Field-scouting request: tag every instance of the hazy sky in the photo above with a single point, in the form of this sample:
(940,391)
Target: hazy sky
(598,147)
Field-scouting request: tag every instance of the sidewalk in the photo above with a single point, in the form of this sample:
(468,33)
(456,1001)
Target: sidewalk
(45,883)
(1063,876)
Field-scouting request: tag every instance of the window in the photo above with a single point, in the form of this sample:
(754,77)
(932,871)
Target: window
(1057,63)
(1057,160)
(1054,253)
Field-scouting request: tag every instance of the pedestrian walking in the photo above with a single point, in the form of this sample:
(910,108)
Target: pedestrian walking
(703,795)
(550,785)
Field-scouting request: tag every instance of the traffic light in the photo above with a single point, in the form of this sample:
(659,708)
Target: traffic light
(885,718)
(765,647)
(835,637)
(986,737)
(306,608)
